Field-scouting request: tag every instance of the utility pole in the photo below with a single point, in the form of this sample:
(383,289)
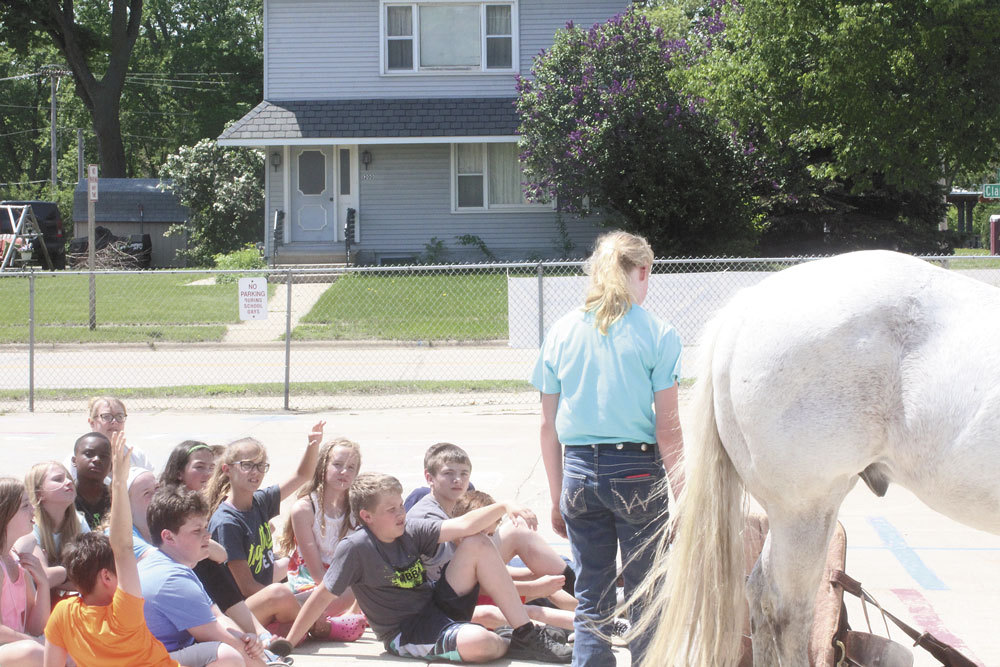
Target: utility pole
(79,155)
(54,72)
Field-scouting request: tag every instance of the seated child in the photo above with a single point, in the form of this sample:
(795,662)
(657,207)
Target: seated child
(190,466)
(105,626)
(241,511)
(178,611)
(447,469)
(106,415)
(92,459)
(24,587)
(320,518)
(410,615)
(487,613)
(57,521)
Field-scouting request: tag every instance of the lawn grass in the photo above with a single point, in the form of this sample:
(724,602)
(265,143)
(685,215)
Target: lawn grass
(113,334)
(130,308)
(342,388)
(397,306)
(977,263)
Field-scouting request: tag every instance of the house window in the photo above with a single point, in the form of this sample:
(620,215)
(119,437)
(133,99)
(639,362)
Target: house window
(449,35)
(487,176)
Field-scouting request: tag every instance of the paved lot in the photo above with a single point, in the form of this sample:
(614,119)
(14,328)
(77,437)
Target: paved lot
(932,572)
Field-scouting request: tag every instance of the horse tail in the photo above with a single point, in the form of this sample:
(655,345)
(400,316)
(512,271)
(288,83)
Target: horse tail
(693,603)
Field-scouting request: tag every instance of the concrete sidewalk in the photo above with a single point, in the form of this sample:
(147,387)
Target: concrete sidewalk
(936,574)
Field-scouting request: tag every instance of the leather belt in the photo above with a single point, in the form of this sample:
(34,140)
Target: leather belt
(618,446)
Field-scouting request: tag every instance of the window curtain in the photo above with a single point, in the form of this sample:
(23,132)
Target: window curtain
(399,22)
(505,175)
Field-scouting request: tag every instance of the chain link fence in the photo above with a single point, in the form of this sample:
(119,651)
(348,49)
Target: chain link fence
(333,338)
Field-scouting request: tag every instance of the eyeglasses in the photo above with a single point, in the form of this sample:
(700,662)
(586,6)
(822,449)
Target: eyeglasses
(107,417)
(247,466)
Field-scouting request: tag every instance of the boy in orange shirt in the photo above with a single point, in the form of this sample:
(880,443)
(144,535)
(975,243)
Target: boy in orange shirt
(105,626)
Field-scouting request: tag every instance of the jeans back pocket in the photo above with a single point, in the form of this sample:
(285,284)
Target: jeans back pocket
(639,499)
(572,498)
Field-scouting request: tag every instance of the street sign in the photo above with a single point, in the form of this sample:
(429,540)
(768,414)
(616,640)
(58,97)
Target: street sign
(91,182)
(991,191)
(253,298)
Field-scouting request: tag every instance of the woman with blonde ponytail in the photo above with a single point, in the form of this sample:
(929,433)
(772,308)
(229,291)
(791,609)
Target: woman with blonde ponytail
(601,371)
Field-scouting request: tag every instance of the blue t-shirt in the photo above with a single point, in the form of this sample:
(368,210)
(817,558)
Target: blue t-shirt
(139,543)
(175,600)
(606,382)
(247,535)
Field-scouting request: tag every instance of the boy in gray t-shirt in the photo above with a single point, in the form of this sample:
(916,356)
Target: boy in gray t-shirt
(414,618)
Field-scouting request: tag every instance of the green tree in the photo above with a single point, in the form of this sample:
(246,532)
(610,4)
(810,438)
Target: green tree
(901,94)
(223,188)
(602,123)
(194,67)
(97,46)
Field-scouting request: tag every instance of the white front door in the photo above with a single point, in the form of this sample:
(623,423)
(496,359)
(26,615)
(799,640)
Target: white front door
(314,211)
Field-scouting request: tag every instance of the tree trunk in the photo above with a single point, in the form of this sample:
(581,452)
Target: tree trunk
(101,97)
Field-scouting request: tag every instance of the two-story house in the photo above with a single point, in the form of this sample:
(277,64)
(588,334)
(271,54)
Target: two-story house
(400,114)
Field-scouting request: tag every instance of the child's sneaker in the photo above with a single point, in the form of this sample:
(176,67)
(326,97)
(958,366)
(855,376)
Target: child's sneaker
(536,645)
(279,646)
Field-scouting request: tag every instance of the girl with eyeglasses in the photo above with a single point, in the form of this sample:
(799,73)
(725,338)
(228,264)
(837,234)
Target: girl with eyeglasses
(190,466)
(241,511)
(107,415)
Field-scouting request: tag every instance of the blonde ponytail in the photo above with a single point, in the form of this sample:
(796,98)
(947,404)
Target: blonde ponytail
(615,255)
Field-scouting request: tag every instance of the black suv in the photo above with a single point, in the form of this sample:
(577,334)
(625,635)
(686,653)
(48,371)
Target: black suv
(50,224)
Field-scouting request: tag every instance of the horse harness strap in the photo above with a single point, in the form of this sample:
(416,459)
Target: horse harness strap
(946,654)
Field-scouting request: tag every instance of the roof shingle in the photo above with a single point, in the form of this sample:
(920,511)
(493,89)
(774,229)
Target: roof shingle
(372,118)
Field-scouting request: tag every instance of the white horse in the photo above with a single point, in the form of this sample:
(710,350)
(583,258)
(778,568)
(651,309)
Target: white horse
(870,365)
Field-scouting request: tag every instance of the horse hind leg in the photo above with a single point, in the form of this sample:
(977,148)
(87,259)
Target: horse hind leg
(782,587)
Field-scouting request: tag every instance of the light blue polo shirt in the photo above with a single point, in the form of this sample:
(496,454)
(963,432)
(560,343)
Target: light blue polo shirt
(606,382)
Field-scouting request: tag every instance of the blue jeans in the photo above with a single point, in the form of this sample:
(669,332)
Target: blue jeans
(609,498)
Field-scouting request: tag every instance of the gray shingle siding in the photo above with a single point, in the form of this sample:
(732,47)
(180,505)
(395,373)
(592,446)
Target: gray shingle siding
(369,118)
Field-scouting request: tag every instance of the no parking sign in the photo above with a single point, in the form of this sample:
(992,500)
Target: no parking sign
(253,298)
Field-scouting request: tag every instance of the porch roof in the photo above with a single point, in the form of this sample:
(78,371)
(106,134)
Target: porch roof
(397,120)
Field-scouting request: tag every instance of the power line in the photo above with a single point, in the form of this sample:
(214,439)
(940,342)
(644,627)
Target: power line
(182,74)
(9,134)
(24,76)
(44,180)
(21,106)
(168,85)
(164,78)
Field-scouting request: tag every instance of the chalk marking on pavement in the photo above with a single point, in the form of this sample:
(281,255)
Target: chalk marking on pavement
(905,554)
(927,620)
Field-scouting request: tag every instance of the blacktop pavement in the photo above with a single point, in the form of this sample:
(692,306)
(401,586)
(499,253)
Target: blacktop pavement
(932,572)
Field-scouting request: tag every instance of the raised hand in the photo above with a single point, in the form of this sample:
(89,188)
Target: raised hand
(316,436)
(121,456)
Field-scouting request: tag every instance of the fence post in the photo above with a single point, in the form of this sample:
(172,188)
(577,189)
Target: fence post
(288,330)
(541,306)
(31,341)
(93,298)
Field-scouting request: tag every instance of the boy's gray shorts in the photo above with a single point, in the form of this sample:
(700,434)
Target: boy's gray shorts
(198,654)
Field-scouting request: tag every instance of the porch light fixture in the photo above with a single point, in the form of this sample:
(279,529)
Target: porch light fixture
(276,160)
(366,158)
